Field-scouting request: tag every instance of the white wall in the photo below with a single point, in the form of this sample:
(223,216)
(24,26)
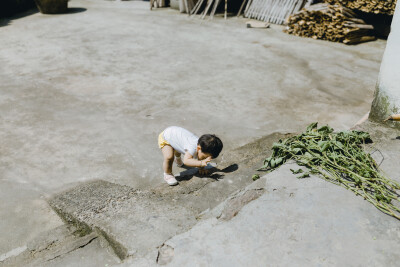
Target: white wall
(387,94)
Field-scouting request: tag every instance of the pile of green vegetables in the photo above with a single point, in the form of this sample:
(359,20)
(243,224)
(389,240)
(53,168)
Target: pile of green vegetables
(340,159)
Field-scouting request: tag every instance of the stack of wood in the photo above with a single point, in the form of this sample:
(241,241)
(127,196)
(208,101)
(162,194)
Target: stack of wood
(274,11)
(369,6)
(330,22)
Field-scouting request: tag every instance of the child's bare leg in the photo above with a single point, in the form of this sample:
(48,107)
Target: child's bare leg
(168,153)
(179,161)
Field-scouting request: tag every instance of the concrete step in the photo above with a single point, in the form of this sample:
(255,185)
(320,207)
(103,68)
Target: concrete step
(280,220)
(135,222)
(132,221)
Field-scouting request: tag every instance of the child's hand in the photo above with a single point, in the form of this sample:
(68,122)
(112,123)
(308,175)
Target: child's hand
(204,162)
(203,171)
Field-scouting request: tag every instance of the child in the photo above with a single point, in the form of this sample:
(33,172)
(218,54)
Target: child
(175,141)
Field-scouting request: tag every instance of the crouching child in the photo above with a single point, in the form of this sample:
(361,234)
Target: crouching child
(198,152)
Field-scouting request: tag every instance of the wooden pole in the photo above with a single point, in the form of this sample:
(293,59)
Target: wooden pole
(226,9)
(241,8)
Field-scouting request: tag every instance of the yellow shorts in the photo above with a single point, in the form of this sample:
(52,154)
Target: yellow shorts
(161,141)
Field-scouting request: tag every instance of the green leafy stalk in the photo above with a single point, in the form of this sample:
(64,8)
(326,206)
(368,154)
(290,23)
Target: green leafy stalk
(340,159)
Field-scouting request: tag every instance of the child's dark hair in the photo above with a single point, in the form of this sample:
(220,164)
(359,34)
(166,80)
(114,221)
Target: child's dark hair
(211,144)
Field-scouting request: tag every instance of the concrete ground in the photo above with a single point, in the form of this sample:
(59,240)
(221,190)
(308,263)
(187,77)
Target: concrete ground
(296,222)
(84,95)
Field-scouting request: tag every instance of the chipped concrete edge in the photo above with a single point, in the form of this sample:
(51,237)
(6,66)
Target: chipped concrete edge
(222,213)
(120,250)
(255,189)
(82,228)
(85,229)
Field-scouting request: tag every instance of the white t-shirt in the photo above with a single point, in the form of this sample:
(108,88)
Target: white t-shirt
(181,140)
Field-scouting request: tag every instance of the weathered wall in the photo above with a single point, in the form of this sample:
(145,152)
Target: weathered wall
(387,94)
(10,7)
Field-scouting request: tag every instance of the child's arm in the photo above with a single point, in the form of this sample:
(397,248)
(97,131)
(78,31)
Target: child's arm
(189,161)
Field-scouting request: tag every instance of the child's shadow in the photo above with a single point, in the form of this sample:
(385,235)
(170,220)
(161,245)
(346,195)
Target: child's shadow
(214,172)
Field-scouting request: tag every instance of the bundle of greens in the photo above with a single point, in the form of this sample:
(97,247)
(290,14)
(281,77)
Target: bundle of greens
(340,159)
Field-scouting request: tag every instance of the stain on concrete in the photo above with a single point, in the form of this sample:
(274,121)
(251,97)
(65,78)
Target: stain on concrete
(236,203)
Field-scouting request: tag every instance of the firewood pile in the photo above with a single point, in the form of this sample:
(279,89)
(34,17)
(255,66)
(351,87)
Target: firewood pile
(330,22)
(369,6)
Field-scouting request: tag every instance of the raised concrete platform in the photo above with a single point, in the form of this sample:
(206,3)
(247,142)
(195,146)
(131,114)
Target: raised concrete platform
(136,221)
(306,222)
(133,222)
(297,222)
(278,220)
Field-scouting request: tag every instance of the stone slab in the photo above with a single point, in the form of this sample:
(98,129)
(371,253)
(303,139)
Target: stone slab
(137,221)
(296,222)
(132,221)
(305,222)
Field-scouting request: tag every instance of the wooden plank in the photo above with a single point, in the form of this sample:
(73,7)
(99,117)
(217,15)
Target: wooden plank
(241,8)
(197,7)
(209,3)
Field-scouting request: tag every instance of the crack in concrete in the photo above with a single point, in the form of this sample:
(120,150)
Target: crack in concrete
(81,246)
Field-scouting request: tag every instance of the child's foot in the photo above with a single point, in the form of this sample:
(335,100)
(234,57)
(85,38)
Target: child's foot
(179,162)
(170,179)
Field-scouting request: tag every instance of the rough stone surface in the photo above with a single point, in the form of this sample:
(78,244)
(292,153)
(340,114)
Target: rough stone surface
(133,222)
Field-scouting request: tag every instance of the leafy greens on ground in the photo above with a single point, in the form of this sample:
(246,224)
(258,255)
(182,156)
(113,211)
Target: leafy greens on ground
(340,159)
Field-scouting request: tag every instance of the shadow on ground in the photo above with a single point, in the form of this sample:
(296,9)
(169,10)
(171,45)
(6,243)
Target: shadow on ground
(215,173)
(74,10)
(7,20)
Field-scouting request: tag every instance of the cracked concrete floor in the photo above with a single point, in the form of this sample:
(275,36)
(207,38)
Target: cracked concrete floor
(84,95)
